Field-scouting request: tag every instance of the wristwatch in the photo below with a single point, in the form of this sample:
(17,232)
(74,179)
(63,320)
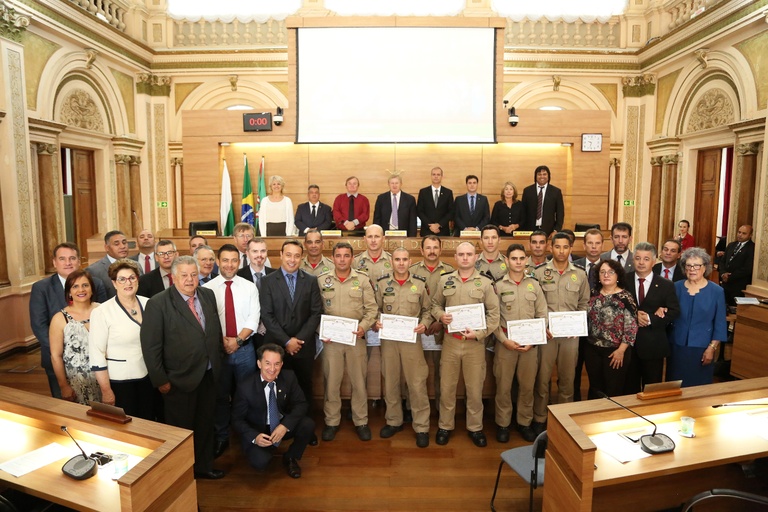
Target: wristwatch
(240,342)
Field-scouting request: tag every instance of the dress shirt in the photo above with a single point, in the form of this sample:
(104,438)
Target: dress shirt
(142,258)
(624,256)
(394,212)
(199,310)
(543,197)
(266,395)
(671,271)
(246,300)
(436,191)
(261,273)
(166,281)
(646,286)
(63,280)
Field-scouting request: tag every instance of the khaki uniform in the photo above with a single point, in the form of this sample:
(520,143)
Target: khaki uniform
(530,266)
(516,302)
(466,356)
(325,265)
(566,292)
(354,298)
(497,268)
(375,270)
(409,299)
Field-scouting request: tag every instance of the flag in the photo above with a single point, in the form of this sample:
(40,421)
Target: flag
(262,192)
(226,211)
(247,208)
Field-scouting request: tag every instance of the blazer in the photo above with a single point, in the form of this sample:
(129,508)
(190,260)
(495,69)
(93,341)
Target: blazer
(151,284)
(552,211)
(284,318)
(249,408)
(406,212)
(246,273)
(591,277)
(461,217)
(701,319)
(176,348)
(430,214)
(739,264)
(304,219)
(135,258)
(677,275)
(651,342)
(629,261)
(100,269)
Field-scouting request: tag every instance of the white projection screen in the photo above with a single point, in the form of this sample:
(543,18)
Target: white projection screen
(395,84)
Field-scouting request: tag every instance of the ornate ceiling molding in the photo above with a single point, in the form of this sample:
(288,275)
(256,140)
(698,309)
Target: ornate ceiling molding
(638,86)
(12,24)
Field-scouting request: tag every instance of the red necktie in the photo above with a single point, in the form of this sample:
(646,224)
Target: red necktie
(640,291)
(147,270)
(229,311)
(666,273)
(191,302)
(170,280)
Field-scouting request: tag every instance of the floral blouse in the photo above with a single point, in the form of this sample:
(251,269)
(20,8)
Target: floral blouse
(612,319)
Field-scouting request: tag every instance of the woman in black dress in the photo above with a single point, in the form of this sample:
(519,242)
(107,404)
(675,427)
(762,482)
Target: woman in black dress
(508,213)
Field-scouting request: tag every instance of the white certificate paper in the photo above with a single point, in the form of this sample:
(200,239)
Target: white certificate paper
(399,328)
(338,329)
(568,324)
(527,332)
(468,316)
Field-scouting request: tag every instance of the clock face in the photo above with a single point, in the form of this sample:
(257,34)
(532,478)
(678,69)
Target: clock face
(592,142)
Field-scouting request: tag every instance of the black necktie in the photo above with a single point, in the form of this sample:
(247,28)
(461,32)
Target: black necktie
(245,261)
(351,215)
(314,213)
(472,205)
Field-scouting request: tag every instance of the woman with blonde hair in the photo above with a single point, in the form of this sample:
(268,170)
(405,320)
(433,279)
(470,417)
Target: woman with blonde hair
(276,211)
(508,212)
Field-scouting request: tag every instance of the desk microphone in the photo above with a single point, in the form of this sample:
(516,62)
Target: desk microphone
(78,467)
(736,405)
(650,443)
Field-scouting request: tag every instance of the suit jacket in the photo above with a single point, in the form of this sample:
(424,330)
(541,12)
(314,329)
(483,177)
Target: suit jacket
(213,275)
(461,217)
(552,211)
(135,258)
(249,408)
(592,277)
(246,273)
(677,275)
(739,264)
(304,219)
(629,260)
(406,212)
(284,318)
(431,214)
(151,284)
(651,342)
(100,269)
(176,348)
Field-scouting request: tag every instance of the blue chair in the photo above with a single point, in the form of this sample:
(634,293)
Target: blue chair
(526,461)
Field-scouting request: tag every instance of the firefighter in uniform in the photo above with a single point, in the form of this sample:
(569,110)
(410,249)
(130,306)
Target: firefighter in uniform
(314,263)
(491,262)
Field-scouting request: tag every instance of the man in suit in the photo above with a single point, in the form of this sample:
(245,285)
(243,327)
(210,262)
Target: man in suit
(181,343)
(313,213)
(351,210)
(657,307)
(116,246)
(736,265)
(257,258)
(206,260)
(669,266)
(47,299)
(543,203)
(270,407)
(396,210)
(435,206)
(195,242)
(161,278)
(240,236)
(621,236)
(471,210)
(146,255)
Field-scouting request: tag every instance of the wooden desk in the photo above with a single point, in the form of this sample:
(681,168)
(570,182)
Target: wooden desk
(163,480)
(581,478)
(749,357)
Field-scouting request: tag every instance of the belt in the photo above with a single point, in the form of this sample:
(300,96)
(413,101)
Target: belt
(456,335)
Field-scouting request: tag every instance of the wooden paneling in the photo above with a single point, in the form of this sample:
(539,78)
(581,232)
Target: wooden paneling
(749,358)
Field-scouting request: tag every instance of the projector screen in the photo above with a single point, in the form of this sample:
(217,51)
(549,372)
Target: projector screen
(395,84)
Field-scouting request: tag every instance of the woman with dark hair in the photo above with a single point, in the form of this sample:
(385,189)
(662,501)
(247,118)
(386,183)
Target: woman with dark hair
(612,322)
(508,212)
(69,340)
(116,357)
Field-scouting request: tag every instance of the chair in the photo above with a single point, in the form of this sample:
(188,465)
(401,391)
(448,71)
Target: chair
(725,493)
(581,227)
(203,225)
(526,461)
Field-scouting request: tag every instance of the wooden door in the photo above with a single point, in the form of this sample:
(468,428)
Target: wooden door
(707,189)
(84,199)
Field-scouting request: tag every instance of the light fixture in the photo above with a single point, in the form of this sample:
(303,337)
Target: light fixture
(513,117)
(566,144)
(278,119)
(224,144)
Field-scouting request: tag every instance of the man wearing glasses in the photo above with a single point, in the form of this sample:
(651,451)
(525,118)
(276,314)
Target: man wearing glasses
(159,279)
(242,233)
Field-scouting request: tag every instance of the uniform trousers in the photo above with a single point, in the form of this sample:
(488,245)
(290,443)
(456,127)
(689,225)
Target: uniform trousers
(337,357)
(561,351)
(397,356)
(466,357)
(508,364)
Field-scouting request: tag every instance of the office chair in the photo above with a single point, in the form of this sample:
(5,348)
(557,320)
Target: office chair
(526,461)
(726,494)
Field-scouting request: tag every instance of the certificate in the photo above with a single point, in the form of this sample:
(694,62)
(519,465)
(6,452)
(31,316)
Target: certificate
(338,329)
(469,316)
(527,332)
(568,324)
(399,328)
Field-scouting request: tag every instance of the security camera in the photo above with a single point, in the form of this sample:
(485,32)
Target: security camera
(278,119)
(513,118)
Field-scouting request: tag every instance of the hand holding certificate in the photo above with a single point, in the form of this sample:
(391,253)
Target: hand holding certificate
(527,332)
(399,328)
(468,316)
(338,329)
(568,324)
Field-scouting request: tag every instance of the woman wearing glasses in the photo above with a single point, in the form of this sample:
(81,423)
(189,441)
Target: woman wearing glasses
(701,326)
(115,349)
(612,322)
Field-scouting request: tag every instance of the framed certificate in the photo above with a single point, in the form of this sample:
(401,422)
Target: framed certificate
(338,329)
(468,316)
(527,332)
(398,328)
(568,324)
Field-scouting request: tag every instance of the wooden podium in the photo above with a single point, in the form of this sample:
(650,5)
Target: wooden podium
(163,480)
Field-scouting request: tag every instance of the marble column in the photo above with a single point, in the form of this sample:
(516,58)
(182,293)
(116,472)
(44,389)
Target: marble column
(49,214)
(670,195)
(745,178)
(123,193)
(137,217)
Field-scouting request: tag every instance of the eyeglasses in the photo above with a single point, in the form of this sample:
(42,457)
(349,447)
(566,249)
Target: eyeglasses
(123,279)
(607,273)
(696,266)
(166,253)
(244,235)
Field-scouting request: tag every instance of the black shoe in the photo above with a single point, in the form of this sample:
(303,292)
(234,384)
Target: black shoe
(422,439)
(313,440)
(538,428)
(502,434)
(363,432)
(329,432)
(292,467)
(348,414)
(214,474)
(478,438)
(221,447)
(388,431)
(442,436)
(528,433)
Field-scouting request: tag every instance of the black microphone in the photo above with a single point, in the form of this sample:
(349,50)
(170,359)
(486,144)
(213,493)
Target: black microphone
(735,405)
(78,467)
(650,443)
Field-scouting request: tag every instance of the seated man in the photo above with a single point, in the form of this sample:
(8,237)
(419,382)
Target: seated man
(269,407)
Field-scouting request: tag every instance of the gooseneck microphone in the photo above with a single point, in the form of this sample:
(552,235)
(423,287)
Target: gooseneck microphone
(650,443)
(78,467)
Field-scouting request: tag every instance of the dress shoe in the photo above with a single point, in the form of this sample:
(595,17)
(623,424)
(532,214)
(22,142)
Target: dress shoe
(329,432)
(313,440)
(221,447)
(502,434)
(478,438)
(527,433)
(422,439)
(292,467)
(442,436)
(363,432)
(388,431)
(214,474)
(538,428)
